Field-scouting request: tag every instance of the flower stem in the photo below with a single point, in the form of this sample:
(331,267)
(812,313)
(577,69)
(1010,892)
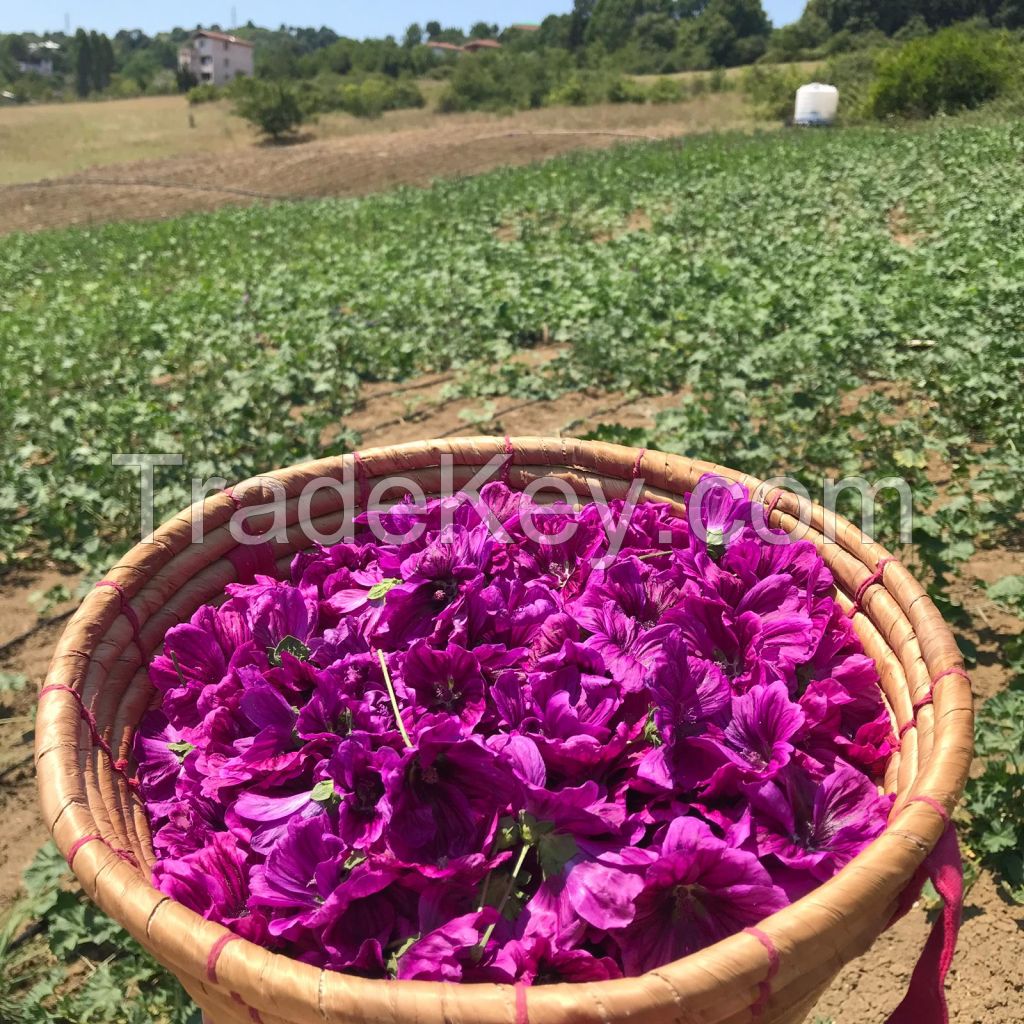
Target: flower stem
(481,946)
(177,669)
(394,699)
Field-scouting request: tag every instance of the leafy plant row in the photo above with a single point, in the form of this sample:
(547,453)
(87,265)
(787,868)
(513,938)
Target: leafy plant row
(843,302)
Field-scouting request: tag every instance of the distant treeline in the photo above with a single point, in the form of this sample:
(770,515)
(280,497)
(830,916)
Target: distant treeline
(597,36)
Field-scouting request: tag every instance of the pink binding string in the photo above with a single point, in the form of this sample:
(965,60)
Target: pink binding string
(522,1009)
(771,504)
(249,560)
(79,843)
(927,700)
(126,609)
(120,765)
(363,476)
(954,671)
(126,855)
(252,560)
(638,464)
(506,467)
(764,987)
(214,955)
(875,579)
(925,1001)
(254,1014)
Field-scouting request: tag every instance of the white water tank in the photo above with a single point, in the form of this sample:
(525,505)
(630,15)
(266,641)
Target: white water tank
(816,104)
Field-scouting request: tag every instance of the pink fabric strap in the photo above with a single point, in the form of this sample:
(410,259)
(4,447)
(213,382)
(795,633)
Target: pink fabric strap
(764,988)
(925,1001)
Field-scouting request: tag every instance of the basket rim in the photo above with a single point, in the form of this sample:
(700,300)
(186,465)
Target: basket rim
(912,831)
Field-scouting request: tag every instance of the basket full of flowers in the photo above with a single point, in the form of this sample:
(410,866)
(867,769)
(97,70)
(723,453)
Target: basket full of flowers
(509,730)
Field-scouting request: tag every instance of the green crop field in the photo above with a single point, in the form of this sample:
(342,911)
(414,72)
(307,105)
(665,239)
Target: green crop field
(845,302)
(821,303)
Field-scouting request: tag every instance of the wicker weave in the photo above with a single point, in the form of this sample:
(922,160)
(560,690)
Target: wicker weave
(98,688)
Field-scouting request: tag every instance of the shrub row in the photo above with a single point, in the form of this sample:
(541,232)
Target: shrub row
(959,68)
(499,82)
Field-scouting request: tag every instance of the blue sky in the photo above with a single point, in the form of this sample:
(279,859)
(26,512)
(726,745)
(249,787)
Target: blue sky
(351,19)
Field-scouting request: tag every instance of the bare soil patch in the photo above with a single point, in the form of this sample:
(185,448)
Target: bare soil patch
(900,229)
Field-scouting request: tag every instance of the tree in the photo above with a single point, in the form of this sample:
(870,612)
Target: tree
(273,107)
(578,22)
(731,32)
(656,32)
(611,23)
(433,29)
(104,61)
(555,31)
(1010,14)
(481,30)
(413,36)
(96,62)
(83,63)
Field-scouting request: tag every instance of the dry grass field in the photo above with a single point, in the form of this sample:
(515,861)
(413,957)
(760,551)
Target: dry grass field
(86,163)
(55,139)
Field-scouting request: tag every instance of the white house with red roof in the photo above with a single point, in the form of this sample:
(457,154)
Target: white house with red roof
(216,57)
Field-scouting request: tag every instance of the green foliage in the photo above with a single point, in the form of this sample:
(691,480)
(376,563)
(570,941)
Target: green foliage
(1009,593)
(373,96)
(994,800)
(500,81)
(272,107)
(725,34)
(62,961)
(12,682)
(953,70)
(205,93)
(891,18)
(772,90)
(667,90)
(853,74)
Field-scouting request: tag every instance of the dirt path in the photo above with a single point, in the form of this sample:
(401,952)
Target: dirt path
(375,160)
(986,984)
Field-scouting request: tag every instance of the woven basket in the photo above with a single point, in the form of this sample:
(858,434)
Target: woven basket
(97,690)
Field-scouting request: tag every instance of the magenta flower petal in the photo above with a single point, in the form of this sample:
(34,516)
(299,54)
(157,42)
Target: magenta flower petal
(696,892)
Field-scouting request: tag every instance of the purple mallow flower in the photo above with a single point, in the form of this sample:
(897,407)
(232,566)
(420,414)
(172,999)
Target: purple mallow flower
(695,893)
(577,748)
